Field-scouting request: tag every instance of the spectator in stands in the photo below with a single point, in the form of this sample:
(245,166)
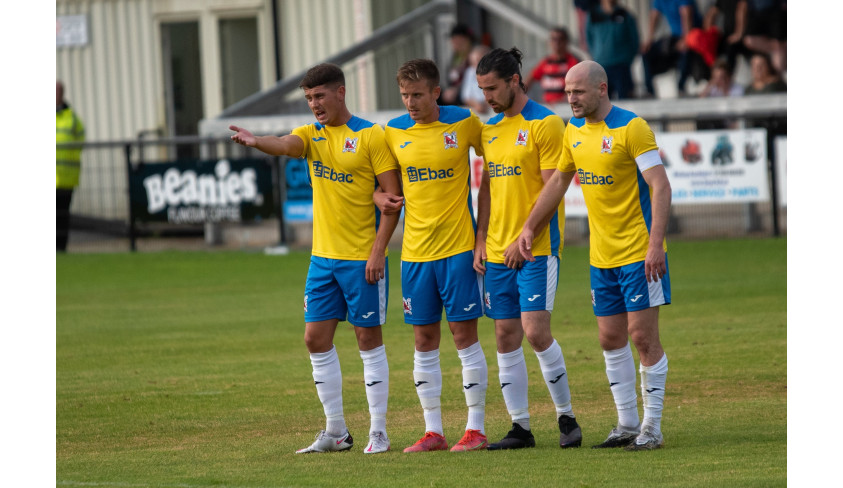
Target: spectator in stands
(550,72)
(721,83)
(69,128)
(471,94)
(733,13)
(766,30)
(661,55)
(462,41)
(583,8)
(612,34)
(765,78)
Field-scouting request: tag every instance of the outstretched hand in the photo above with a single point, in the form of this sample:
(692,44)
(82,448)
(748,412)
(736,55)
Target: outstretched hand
(243,136)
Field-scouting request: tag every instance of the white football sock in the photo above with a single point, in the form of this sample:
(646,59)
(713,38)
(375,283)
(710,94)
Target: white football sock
(327,376)
(512,372)
(475,379)
(620,370)
(376,376)
(552,364)
(653,379)
(428,377)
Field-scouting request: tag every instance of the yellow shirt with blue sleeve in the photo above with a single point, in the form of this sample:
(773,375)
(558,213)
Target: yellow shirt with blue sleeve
(343,162)
(517,149)
(609,158)
(436,176)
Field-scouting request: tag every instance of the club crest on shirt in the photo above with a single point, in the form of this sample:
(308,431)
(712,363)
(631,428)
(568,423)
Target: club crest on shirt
(408,306)
(350,145)
(522,138)
(606,147)
(451,140)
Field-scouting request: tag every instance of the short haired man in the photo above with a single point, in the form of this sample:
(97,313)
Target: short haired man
(348,276)
(431,144)
(522,145)
(627,194)
(550,72)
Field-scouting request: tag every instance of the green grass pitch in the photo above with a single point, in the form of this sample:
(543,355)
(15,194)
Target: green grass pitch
(188,369)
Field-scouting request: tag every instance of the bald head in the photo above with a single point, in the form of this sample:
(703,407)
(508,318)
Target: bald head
(587,87)
(589,71)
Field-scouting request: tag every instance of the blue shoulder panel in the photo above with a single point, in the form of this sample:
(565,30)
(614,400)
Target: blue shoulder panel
(451,114)
(619,117)
(535,111)
(494,120)
(318,126)
(577,122)
(403,122)
(357,124)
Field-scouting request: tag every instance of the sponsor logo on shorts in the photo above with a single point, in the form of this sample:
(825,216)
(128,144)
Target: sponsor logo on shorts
(469,307)
(368,315)
(408,306)
(305,303)
(533,298)
(593,301)
(488,300)
(635,299)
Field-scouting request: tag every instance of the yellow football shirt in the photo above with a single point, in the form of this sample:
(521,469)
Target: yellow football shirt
(516,150)
(616,195)
(343,162)
(435,171)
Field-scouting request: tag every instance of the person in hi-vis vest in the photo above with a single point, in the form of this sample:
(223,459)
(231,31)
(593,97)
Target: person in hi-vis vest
(69,128)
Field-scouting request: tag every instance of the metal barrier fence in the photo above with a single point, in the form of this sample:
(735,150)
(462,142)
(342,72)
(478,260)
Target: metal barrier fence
(102,218)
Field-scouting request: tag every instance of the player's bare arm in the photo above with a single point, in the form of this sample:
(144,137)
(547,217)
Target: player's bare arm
(376,264)
(484,205)
(654,263)
(387,203)
(549,199)
(289,145)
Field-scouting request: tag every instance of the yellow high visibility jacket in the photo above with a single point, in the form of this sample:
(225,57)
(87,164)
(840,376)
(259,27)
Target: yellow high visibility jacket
(69,128)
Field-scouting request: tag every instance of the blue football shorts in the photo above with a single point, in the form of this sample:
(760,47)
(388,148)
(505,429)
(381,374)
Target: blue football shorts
(337,289)
(625,289)
(450,283)
(528,289)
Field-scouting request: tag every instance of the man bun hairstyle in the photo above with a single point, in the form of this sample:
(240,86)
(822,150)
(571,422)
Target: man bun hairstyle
(504,63)
(326,74)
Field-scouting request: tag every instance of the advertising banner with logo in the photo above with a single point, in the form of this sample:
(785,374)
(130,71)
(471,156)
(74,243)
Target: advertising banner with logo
(719,166)
(781,169)
(299,201)
(195,192)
